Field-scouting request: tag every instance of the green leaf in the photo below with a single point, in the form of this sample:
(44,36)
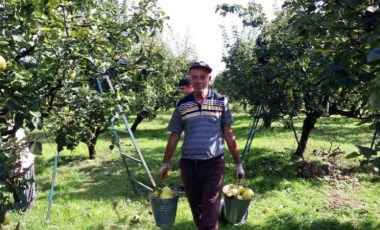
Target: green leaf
(17,38)
(35,114)
(36,148)
(37,122)
(311,8)
(376,164)
(374,55)
(36,4)
(366,151)
(374,100)
(352,155)
(53,3)
(59,146)
(366,77)
(160,56)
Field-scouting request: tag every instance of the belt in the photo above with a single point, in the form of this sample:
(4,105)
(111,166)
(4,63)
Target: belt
(206,160)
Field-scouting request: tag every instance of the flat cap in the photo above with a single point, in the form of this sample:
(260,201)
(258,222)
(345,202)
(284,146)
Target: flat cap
(200,64)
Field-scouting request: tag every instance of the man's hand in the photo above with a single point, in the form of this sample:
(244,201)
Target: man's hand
(163,173)
(239,171)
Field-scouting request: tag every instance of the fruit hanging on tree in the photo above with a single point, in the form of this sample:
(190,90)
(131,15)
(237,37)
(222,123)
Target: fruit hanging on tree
(3,63)
(5,220)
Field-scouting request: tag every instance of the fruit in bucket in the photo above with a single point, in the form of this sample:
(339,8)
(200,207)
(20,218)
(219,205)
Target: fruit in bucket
(157,193)
(166,189)
(248,194)
(164,193)
(239,192)
(232,192)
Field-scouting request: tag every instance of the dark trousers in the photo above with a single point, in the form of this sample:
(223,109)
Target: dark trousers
(203,182)
(24,193)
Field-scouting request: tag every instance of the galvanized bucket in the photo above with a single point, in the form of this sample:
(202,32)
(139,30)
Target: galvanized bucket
(234,210)
(164,210)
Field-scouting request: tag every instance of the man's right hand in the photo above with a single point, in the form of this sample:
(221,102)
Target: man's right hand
(163,173)
(239,171)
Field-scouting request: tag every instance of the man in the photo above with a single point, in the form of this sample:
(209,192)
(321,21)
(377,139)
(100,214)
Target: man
(206,121)
(20,167)
(185,86)
(23,169)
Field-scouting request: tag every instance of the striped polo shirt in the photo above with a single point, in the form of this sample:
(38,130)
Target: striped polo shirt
(202,125)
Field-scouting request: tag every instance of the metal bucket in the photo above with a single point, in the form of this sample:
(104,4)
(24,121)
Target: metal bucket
(164,210)
(234,210)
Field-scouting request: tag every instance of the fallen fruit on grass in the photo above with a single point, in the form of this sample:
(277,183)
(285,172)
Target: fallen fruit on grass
(136,219)
(6,219)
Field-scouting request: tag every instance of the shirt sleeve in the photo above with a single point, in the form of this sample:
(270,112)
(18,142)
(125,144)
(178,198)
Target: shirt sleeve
(175,124)
(227,119)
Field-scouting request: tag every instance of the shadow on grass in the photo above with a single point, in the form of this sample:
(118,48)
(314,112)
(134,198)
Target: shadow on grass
(106,181)
(286,222)
(289,221)
(62,161)
(268,170)
(183,225)
(271,167)
(109,179)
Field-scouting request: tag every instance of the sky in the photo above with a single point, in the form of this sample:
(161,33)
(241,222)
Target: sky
(197,20)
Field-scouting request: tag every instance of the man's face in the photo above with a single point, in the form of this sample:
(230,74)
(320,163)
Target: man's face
(186,89)
(199,79)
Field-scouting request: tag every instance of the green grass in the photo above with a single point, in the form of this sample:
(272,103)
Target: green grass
(97,194)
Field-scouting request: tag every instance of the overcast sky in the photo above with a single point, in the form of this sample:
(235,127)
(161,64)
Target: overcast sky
(197,19)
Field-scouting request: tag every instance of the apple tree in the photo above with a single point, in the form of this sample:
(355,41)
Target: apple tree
(55,50)
(307,58)
(345,51)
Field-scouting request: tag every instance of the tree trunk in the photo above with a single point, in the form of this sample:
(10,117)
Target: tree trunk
(267,119)
(308,125)
(353,112)
(137,121)
(91,148)
(139,118)
(267,122)
(92,145)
